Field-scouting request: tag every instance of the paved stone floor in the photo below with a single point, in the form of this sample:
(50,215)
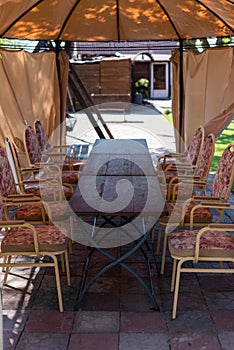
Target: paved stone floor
(116,313)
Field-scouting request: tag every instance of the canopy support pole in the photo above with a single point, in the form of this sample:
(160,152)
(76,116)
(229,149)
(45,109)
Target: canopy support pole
(181,97)
(57,48)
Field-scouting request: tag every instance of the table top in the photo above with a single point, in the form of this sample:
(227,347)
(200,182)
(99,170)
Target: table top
(118,179)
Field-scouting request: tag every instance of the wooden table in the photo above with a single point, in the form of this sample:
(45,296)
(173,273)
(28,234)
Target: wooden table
(119,191)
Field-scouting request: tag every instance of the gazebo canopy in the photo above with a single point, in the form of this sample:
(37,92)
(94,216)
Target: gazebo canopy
(109,20)
(139,20)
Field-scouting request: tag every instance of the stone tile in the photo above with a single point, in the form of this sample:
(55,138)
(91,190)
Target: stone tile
(142,322)
(45,341)
(49,321)
(106,285)
(14,319)
(46,299)
(189,322)
(49,282)
(136,302)
(146,341)
(223,319)
(186,301)
(96,322)
(130,285)
(100,301)
(139,268)
(209,283)
(96,267)
(16,299)
(10,339)
(190,285)
(226,340)
(195,341)
(25,282)
(94,341)
(220,300)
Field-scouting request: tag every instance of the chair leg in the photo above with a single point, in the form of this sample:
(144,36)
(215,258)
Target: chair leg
(56,270)
(7,260)
(173,275)
(152,234)
(4,261)
(70,246)
(71,240)
(176,292)
(62,263)
(159,239)
(67,268)
(164,253)
(221,265)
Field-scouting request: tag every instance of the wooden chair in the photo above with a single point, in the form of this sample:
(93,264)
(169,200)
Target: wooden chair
(214,243)
(36,180)
(181,185)
(186,185)
(23,240)
(199,210)
(27,206)
(54,153)
(44,145)
(189,157)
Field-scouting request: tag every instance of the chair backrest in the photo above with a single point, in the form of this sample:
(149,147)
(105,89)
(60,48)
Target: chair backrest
(7,182)
(41,135)
(196,145)
(224,175)
(1,210)
(32,146)
(205,157)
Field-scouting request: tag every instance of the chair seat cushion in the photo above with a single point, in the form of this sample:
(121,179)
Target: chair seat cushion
(76,165)
(70,176)
(201,215)
(213,243)
(20,239)
(33,212)
(46,192)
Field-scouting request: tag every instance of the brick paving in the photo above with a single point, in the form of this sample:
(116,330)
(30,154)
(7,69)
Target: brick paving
(116,313)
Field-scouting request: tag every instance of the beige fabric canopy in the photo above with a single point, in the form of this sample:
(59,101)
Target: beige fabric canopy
(111,20)
(208,90)
(30,91)
(108,20)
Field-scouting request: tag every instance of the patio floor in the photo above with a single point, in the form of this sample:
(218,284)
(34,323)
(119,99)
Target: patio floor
(116,313)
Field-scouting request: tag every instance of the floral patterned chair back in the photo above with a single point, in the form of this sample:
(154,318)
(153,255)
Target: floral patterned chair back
(1,210)
(205,158)
(224,175)
(32,147)
(41,135)
(7,182)
(196,145)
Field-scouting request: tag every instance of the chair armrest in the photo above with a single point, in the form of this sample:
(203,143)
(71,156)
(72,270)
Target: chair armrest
(19,195)
(206,198)
(216,205)
(228,227)
(20,200)
(30,169)
(7,223)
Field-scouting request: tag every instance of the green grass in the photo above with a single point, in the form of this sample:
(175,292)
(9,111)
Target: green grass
(221,143)
(224,139)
